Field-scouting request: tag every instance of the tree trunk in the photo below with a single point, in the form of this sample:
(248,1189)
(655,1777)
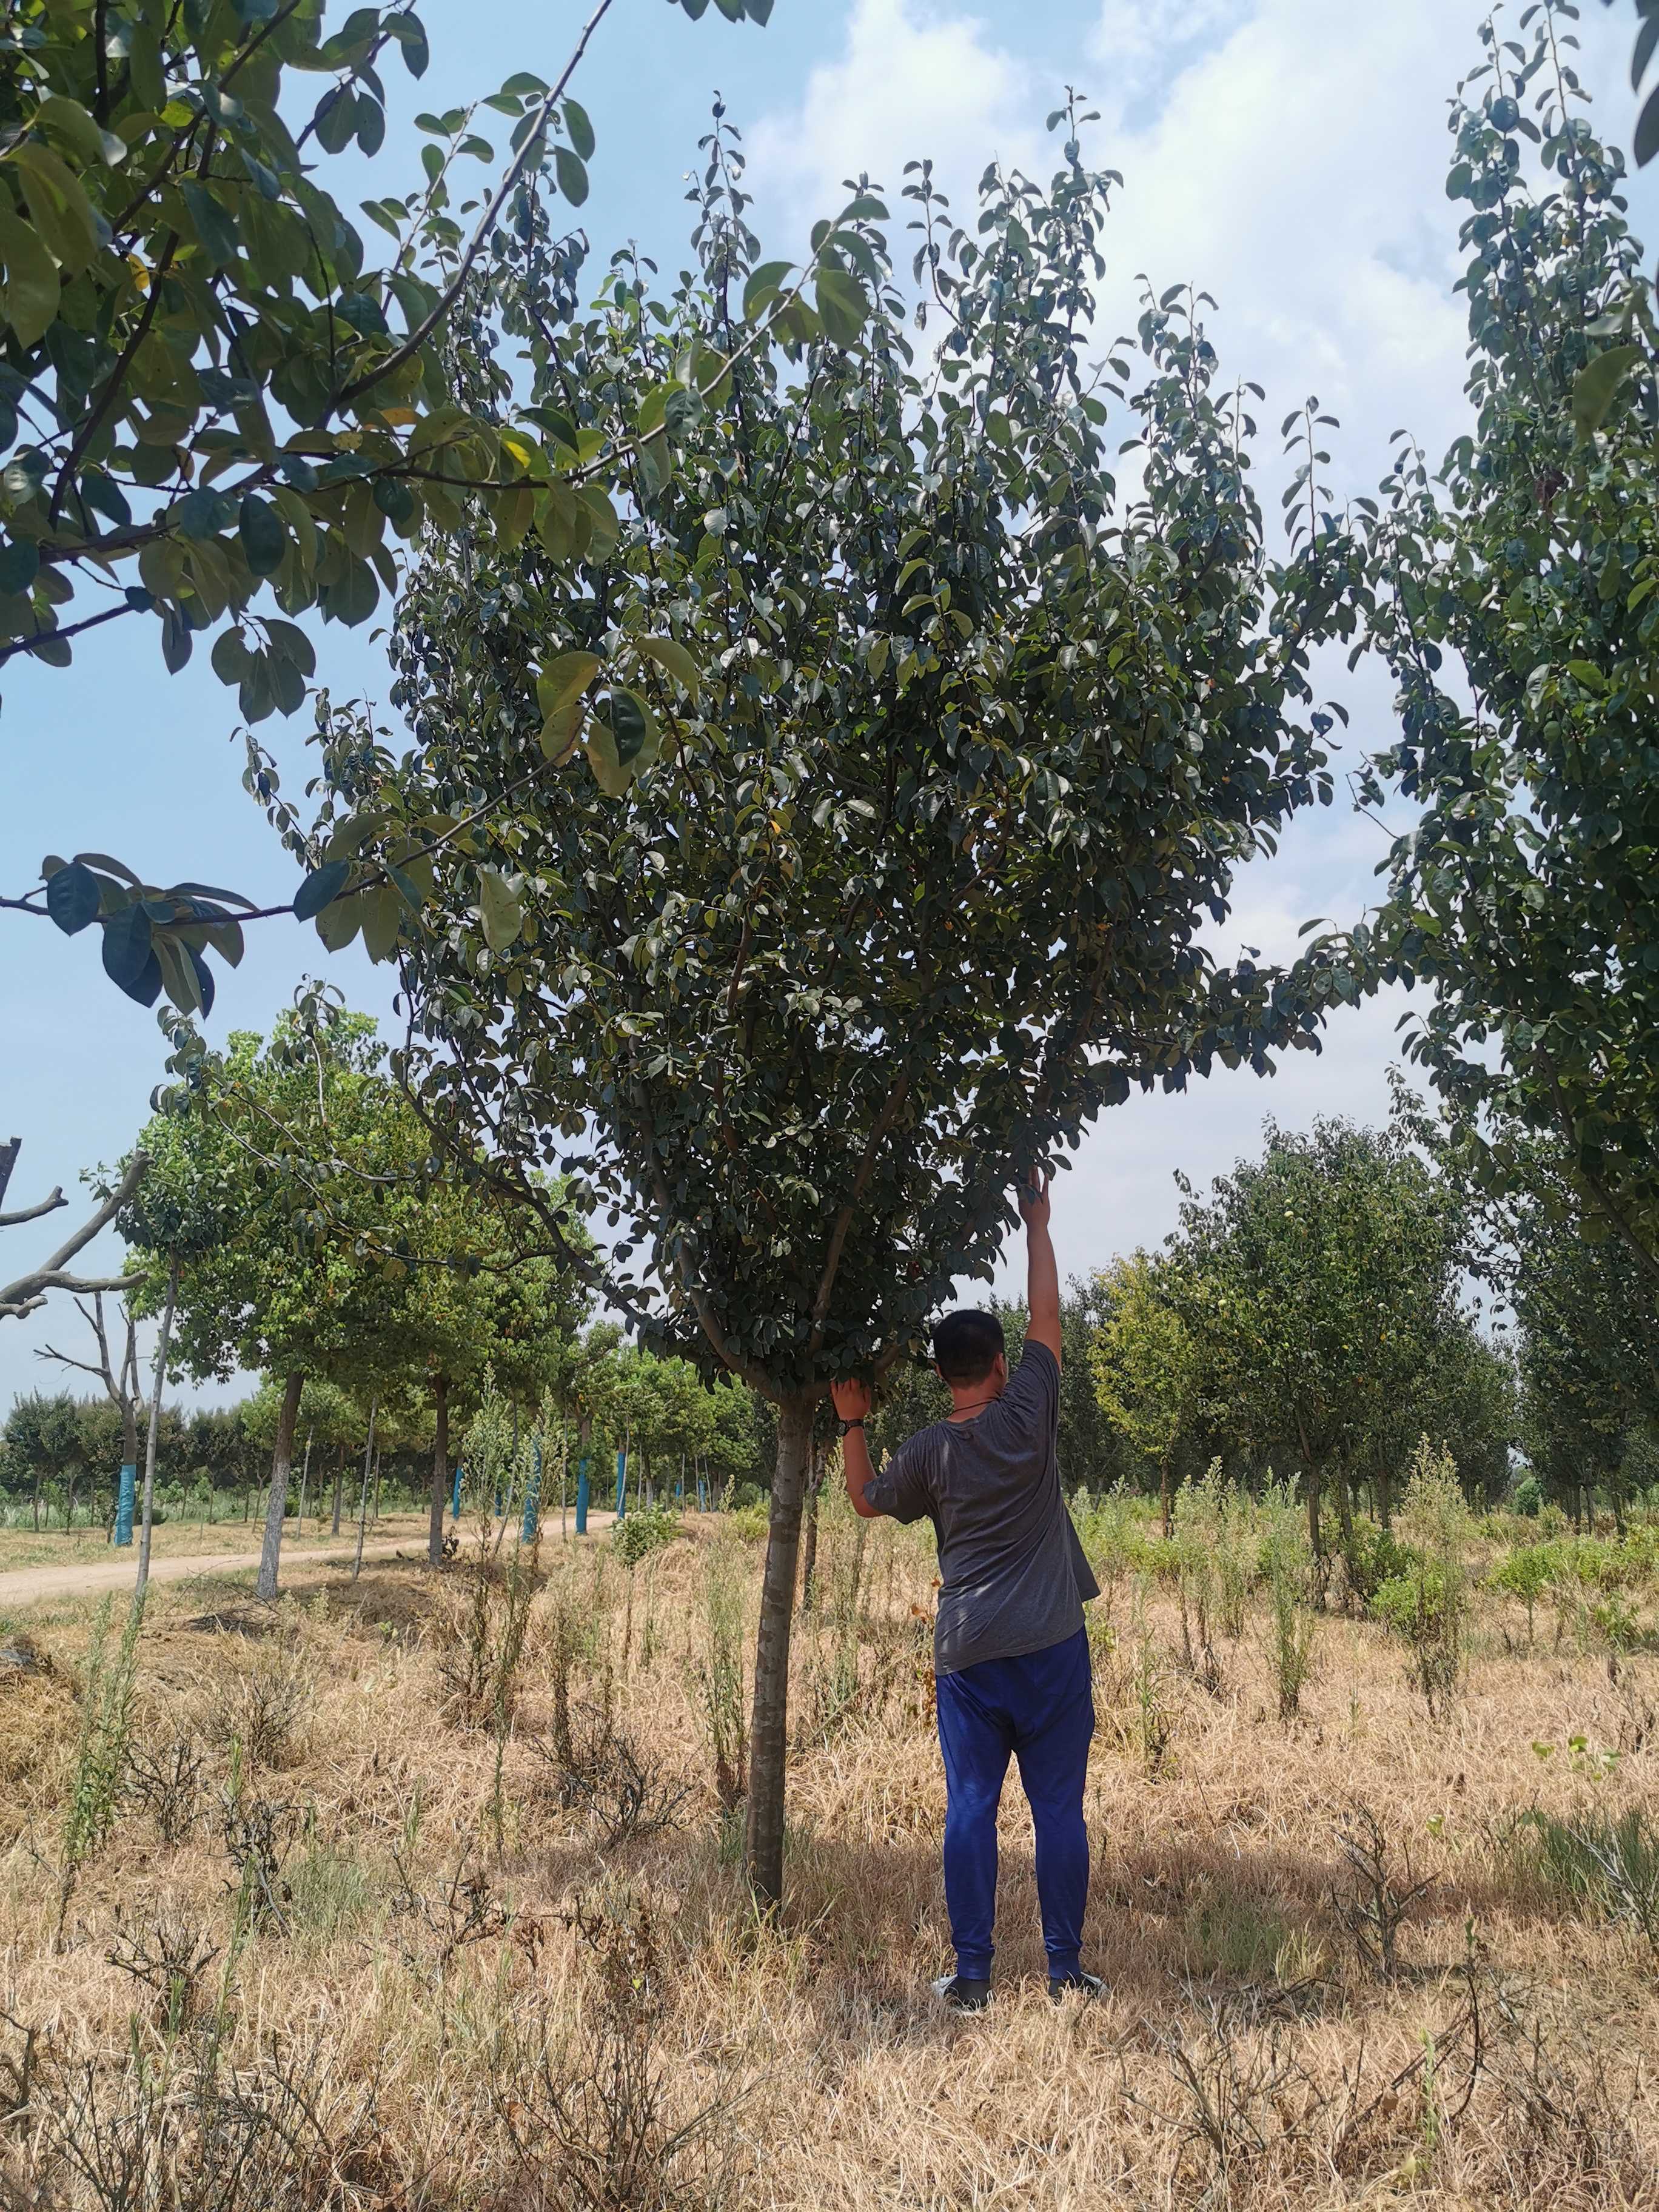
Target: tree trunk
(1166,1496)
(769,1725)
(434,1539)
(809,1570)
(1384,1498)
(282,1470)
(305,1480)
(339,1485)
(151,1443)
(362,1508)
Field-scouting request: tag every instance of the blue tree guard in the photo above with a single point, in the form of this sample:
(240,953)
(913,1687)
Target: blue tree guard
(702,1506)
(533,1496)
(124,1503)
(622,1482)
(582,1496)
(455,1497)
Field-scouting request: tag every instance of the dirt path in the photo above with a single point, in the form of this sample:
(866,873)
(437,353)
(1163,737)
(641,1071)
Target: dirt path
(28,1585)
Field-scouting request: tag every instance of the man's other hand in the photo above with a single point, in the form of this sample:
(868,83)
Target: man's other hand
(851,1400)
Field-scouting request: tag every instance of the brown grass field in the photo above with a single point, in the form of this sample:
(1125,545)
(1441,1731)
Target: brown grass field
(336,1947)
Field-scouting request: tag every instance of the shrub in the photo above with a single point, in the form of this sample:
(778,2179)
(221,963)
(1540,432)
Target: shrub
(646,1529)
(1288,1567)
(1528,1497)
(1431,1610)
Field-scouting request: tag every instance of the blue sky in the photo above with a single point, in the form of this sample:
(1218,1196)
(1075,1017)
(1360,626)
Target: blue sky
(1288,154)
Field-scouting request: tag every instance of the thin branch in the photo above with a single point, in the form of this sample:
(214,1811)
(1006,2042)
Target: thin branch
(28,1291)
(486,224)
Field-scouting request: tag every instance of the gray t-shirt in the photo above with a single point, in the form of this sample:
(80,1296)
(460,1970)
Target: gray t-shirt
(1013,1575)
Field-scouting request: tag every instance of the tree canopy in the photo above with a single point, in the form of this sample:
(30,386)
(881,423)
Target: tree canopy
(1514,605)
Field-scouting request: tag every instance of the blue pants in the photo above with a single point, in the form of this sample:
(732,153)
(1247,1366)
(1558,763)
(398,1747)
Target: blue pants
(1041,1708)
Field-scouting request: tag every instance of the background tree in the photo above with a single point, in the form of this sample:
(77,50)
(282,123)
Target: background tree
(817,952)
(116,1340)
(1513,606)
(1144,1371)
(1315,1287)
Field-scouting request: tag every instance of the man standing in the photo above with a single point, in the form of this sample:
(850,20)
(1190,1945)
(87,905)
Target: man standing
(1010,1650)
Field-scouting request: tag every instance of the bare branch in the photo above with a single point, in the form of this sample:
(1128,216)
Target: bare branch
(28,1291)
(49,1205)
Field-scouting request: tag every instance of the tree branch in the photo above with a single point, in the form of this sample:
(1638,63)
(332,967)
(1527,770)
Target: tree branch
(29,1291)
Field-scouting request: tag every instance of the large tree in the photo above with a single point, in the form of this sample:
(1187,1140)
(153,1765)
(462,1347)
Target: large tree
(909,757)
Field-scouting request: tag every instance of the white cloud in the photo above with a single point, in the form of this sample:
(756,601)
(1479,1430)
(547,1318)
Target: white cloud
(914,81)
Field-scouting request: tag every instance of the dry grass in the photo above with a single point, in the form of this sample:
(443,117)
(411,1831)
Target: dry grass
(407,2016)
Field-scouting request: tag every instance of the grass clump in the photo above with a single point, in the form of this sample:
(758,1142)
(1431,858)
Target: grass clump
(647,1529)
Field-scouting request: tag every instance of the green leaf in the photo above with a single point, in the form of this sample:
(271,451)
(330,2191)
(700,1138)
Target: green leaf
(1597,384)
(73,896)
(214,224)
(498,910)
(674,660)
(68,120)
(30,300)
(127,949)
(383,911)
(572,174)
(842,308)
(1647,132)
(265,541)
(580,130)
(320,888)
(19,564)
(562,682)
(768,284)
(57,201)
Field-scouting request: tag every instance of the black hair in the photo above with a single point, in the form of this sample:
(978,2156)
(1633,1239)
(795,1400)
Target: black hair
(968,1344)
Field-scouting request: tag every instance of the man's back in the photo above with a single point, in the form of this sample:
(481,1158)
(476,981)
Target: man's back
(1013,1573)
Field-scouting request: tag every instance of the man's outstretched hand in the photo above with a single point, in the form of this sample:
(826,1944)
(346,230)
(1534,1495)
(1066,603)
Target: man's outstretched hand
(851,1400)
(1034,1199)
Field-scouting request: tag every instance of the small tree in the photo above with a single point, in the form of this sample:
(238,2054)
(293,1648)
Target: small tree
(1144,1369)
(1316,1287)
(905,761)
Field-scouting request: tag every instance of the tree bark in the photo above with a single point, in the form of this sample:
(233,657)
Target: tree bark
(164,1339)
(339,1485)
(1384,1498)
(434,1539)
(809,1570)
(282,1469)
(770,1724)
(1166,1496)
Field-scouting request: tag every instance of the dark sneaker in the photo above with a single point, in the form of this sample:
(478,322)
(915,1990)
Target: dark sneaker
(957,1994)
(1088,1986)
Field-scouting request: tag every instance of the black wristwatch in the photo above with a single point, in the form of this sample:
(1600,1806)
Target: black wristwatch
(841,1427)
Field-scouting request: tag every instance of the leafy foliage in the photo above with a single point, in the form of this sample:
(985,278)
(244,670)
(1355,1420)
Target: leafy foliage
(1514,607)
(221,410)
(976,749)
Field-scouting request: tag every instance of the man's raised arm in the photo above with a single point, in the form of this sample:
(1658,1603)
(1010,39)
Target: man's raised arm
(1041,1274)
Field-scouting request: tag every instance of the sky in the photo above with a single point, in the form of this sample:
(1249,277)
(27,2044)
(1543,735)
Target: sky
(1286,155)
